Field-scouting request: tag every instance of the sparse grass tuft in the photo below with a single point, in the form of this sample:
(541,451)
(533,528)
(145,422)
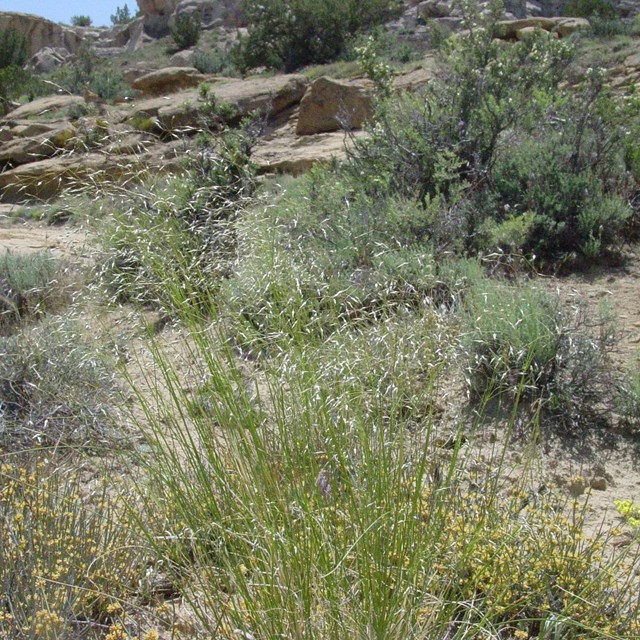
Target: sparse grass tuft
(30,286)
(55,390)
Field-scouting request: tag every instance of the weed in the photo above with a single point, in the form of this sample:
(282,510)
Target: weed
(66,558)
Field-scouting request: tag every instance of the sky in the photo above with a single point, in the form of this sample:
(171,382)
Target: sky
(100,11)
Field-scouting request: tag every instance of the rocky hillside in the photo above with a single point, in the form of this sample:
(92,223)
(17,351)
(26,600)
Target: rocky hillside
(55,141)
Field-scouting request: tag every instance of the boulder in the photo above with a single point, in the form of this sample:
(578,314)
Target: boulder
(46,106)
(330,105)
(28,129)
(509,28)
(182,58)
(294,154)
(49,58)
(267,95)
(528,32)
(212,13)
(40,32)
(417,78)
(46,179)
(434,9)
(168,80)
(632,60)
(22,150)
(180,112)
(566,26)
(156,7)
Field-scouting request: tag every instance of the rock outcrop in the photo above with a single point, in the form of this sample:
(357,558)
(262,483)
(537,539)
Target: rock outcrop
(212,13)
(168,80)
(40,32)
(330,105)
(156,14)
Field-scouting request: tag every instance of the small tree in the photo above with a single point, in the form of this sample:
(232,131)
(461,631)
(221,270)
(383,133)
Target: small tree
(186,31)
(121,16)
(13,49)
(14,79)
(81,21)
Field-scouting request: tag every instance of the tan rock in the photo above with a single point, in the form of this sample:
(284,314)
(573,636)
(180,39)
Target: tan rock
(168,80)
(212,13)
(510,28)
(28,129)
(180,112)
(46,106)
(272,95)
(293,154)
(40,32)
(156,7)
(46,179)
(527,32)
(632,60)
(413,79)
(330,105)
(23,150)
(598,483)
(566,26)
(434,9)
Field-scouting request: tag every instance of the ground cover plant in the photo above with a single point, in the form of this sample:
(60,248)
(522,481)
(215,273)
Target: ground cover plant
(331,378)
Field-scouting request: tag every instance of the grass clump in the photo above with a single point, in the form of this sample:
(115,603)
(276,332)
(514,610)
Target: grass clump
(30,286)
(296,506)
(181,232)
(523,347)
(54,390)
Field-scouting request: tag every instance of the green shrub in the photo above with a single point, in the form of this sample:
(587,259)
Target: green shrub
(81,21)
(590,8)
(14,79)
(186,31)
(291,35)
(522,346)
(498,153)
(214,61)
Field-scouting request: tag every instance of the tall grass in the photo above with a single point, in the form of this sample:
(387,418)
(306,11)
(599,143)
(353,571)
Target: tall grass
(313,496)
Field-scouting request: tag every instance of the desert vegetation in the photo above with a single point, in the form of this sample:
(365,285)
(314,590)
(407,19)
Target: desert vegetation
(319,406)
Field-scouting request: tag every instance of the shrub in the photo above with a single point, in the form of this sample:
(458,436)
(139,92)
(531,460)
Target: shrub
(54,390)
(522,346)
(291,35)
(81,21)
(497,152)
(66,555)
(30,286)
(214,61)
(590,8)
(186,31)
(14,80)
